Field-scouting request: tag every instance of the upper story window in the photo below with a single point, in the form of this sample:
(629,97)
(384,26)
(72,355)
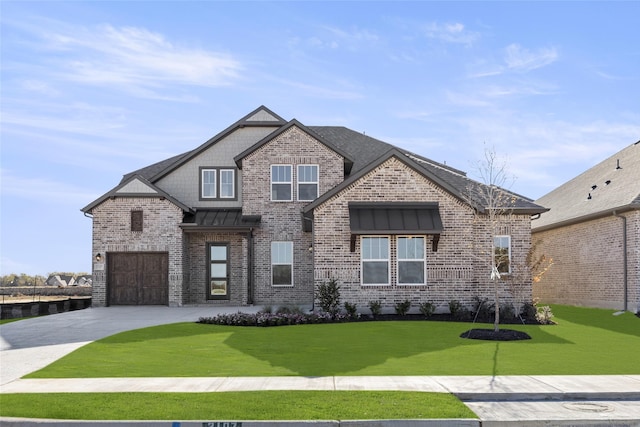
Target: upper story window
(227,184)
(502,253)
(217,183)
(375,260)
(281,183)
(307,182)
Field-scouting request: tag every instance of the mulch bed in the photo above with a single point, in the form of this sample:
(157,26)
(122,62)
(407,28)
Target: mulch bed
(492,335)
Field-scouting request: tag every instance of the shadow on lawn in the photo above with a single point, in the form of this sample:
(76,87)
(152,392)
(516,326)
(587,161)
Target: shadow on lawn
(173,330)
(348,348)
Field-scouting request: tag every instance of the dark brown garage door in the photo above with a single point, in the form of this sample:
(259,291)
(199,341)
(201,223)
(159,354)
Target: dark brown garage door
(138,278)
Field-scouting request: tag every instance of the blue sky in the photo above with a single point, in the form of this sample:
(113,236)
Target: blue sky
(93,90)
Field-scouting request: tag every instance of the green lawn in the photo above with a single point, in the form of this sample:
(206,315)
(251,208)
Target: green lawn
(365,348)
(585,341)
(265,405)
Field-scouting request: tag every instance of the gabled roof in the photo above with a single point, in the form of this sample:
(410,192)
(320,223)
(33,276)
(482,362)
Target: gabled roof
(135,186)
(260,117)
(451,180)
(610,186)
(348,161)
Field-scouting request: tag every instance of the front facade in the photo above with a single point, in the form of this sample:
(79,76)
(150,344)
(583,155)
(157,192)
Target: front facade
(592,233)
(268,209)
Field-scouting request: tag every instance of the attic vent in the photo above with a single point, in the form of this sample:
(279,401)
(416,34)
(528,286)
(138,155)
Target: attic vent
(618,164)
(593,187)
(589,196)
(607,182)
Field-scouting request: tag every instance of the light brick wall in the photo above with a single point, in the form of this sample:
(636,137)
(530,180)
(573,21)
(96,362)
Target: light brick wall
(454,272)
(282,221)
(588,267)
(161,233)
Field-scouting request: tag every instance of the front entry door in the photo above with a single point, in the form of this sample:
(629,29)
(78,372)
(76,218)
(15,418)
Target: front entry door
(218,271)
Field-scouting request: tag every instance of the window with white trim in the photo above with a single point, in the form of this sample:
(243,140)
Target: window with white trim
(307,182)
(281,183)
(217,183)
(502,253)
(375,260)
(227,183)
(411,260)
(282,263)
(208,186)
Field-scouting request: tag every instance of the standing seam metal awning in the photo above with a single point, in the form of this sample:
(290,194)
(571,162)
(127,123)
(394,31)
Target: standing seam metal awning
(220,220)
(395,218)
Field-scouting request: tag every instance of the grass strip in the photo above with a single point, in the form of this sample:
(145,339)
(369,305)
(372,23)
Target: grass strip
(236,406)
(365,348)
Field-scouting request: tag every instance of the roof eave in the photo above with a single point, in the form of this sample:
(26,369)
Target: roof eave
(584,218)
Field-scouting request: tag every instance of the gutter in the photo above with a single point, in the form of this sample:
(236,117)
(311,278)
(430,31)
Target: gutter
(589,217)
(625,260)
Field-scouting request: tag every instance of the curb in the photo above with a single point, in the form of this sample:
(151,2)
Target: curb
(28,422)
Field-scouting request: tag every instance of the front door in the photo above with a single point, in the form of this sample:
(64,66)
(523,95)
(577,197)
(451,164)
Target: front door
(218,271)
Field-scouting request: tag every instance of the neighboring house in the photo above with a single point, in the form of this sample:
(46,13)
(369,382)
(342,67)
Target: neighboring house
(84,280)
(60,281)
(268,209)
(592,233)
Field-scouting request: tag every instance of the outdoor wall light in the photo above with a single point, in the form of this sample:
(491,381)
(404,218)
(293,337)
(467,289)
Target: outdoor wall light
(98,257)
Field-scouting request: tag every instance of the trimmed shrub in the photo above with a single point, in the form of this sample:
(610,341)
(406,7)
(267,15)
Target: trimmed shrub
(402,308)
(351,309)
(375,307)
(427,309)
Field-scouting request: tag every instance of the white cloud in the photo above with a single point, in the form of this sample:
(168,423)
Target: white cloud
(133,58)
(41,189)
(521,59)
(450,32)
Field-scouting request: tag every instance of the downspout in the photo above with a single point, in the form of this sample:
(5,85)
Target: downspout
(250,267)
(624,257)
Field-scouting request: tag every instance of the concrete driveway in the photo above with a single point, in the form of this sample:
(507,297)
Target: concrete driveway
(32,344)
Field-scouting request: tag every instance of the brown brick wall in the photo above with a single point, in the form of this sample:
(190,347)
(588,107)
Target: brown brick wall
(282,221)
(588,267)
(455,271)
(161,233)
(196,287)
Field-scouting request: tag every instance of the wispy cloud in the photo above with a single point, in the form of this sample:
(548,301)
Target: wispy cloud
(521,59)
(454,32)
(133,58)
(39,189)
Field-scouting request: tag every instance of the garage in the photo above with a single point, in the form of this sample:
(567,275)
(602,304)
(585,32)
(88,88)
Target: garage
(138,278)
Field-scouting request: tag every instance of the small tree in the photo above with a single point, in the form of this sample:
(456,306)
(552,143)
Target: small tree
(493,206)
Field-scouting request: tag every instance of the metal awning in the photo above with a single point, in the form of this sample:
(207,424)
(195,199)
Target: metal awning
(395,218)
(220,220)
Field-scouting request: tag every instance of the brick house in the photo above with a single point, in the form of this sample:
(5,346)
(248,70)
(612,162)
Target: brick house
(268,209)
(592,232)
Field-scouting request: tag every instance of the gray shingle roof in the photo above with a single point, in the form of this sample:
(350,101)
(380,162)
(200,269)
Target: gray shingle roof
(356,147)
(613,184)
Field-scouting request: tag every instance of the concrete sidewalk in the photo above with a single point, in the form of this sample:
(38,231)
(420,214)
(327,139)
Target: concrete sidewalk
(498,401)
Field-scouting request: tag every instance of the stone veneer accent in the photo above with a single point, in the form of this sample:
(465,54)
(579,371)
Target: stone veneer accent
(161,233)
(454,272)
(588,267)
(282,221)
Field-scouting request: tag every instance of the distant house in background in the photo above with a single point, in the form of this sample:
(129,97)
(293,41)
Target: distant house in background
(84,280)
(592,232)
(60,281)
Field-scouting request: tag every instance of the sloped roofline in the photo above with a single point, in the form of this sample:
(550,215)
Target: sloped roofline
(243,122)
(392,153)
(114,193)
(294,123)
